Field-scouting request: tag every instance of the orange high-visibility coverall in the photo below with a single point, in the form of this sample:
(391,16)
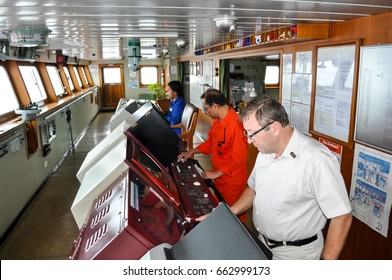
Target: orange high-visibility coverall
(228,148)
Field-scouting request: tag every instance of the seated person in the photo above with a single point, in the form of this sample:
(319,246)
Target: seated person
(177,104)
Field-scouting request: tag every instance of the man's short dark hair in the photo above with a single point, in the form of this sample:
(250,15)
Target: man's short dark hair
(213,96)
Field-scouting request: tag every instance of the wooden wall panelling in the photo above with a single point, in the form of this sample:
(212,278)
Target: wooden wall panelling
(64,79)
(362,241)
(88,75)
(72,73)
(31,135)
(81,76)
(51,95)
(313,31)
(372,30)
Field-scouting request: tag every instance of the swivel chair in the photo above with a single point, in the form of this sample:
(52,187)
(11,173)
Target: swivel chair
(188,126)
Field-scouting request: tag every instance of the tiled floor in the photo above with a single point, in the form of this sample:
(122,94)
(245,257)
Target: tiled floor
(47,229)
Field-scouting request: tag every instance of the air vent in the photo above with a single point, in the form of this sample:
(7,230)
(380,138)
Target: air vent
(100,216)
(96,236)
(102,200)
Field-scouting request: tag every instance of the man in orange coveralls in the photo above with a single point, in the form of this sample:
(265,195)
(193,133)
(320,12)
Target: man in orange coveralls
(227,146)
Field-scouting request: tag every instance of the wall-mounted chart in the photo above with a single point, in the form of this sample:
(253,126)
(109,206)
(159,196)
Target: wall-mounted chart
(334,91)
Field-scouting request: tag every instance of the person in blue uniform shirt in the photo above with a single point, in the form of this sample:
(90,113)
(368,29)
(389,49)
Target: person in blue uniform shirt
(177,104)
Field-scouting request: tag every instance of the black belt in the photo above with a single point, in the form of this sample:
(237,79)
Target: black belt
(300,242)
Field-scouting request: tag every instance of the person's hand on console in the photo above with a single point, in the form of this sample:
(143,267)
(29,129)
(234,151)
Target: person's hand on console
(185,155)
(211,174)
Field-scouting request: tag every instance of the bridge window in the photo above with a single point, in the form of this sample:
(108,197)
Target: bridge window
(9,101)
(33,83)
(112,75)
(272,75)
(71,86)
(55,79)
(77,76)
(148,75)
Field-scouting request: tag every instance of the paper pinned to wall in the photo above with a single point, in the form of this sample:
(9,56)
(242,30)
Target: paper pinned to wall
(371,188)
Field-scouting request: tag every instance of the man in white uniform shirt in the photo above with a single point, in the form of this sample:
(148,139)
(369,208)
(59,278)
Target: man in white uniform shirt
(294,187)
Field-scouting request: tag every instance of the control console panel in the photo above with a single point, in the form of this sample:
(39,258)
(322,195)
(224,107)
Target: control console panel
(196,197)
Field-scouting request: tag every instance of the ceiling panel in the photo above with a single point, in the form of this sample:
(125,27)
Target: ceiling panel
(84,28)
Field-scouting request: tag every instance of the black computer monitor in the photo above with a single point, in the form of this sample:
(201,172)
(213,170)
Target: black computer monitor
(131,111)
(153,130)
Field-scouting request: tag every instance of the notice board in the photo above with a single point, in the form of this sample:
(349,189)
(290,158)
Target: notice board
(373,124)
(334,91)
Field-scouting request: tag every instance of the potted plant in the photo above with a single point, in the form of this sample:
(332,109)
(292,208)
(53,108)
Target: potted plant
(157,90)
(160,96)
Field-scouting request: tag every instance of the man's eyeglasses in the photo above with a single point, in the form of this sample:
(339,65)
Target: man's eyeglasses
(257,131)
(205,109)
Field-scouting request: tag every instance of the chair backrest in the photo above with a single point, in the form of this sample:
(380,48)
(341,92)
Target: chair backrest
(188,116)
(188,126)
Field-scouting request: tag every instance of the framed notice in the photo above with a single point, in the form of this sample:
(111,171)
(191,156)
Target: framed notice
(296,89)
(374,102)
(334,85)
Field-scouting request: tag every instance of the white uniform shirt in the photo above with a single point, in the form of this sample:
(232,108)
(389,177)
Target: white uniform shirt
(297,192)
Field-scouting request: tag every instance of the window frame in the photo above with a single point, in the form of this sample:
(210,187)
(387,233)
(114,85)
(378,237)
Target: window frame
(38,83)
(75,68)
(69,78)
(84,75)
(59,80)
(142,85)
(10,112)
(273,85)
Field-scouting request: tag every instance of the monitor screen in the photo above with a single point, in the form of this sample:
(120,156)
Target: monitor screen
(141,159)
(154,132)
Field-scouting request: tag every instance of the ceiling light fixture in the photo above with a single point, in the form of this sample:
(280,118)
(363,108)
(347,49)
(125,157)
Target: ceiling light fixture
(146,34)
(226,24)
(180,43)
